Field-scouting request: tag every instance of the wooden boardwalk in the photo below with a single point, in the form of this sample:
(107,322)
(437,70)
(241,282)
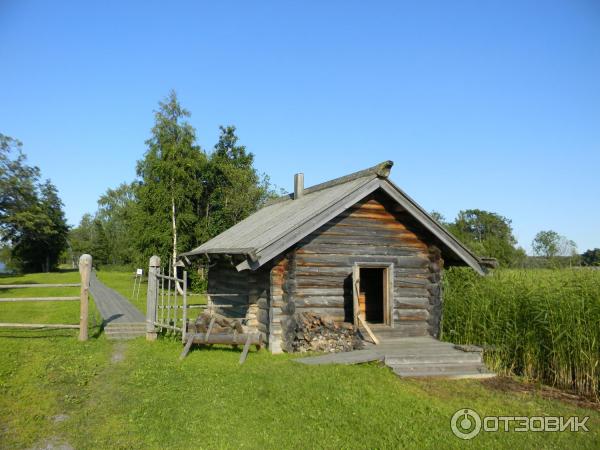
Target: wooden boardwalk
(421,356)
(121,320)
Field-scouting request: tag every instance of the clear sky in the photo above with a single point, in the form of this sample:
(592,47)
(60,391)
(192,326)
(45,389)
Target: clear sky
(481,104)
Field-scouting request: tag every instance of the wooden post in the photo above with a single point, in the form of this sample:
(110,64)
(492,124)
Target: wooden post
(355,293)
(85,268)
(151,298)
(184,318)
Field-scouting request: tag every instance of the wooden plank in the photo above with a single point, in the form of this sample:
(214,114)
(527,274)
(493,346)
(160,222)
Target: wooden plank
(355,293)
(327,301)
(17,286)
(228,339)
(168,277)
(38,325)
(345,260)
(170,327)
(367,250)
(364,324)
(210,327)
(411,302)
(188,346)
(39,299)
(245,350)
(412,314)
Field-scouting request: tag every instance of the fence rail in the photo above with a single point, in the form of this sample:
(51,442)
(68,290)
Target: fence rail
(38,299)
(85,267)
(17,286)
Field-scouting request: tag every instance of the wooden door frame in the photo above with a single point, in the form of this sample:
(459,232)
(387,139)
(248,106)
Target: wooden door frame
(388,289)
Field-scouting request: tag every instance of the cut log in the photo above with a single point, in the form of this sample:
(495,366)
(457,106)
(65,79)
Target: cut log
(227,339)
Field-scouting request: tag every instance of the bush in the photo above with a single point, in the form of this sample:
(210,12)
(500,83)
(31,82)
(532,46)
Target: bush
(542,324)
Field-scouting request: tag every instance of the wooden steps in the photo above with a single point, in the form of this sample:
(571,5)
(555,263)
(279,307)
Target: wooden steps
(444,366)
(121,330)
(412,357)
(429,357)
(401,330)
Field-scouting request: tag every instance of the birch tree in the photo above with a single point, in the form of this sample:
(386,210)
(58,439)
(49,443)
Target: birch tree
(170,184)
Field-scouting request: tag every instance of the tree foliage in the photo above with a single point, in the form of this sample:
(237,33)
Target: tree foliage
(233,187)
(184,196)
(115,213)
(591,257)
(488,234)
(32,220)
(550,244)
(170,185)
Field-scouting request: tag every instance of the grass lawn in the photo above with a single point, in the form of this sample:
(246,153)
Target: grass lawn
(137,394)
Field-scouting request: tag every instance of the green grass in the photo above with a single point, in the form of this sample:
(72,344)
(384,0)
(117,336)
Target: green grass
(539,323)
(43,373)
(138,395)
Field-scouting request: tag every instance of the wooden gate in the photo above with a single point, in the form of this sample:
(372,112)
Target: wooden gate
(167,302)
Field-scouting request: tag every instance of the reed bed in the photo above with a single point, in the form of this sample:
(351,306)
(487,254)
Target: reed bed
(543,324)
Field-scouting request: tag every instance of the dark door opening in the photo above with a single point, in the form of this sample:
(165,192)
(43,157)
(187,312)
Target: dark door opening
(371,295)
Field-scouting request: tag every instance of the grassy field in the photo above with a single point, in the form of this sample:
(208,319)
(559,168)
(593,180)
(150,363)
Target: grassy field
(138,395)
(539,323)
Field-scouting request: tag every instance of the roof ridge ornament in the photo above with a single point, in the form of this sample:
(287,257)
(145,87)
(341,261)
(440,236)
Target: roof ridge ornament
(383,169)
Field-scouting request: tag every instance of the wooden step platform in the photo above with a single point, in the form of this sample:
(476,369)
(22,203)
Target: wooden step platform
(122,330)
(416,357)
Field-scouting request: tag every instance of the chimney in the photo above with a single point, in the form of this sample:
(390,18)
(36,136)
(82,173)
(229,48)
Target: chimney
(298,186)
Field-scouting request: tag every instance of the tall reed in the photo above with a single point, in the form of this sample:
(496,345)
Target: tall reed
(543,324)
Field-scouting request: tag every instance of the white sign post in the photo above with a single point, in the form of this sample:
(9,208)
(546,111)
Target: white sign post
(137,281)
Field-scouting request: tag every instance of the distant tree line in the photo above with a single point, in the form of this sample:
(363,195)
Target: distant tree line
(488,234)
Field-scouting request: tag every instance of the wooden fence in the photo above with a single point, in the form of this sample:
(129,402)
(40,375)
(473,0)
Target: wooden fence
(85,267)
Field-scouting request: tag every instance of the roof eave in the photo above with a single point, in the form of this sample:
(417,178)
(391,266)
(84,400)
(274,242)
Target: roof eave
(432,225)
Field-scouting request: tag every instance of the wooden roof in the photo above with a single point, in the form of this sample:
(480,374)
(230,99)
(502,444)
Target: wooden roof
(285,221)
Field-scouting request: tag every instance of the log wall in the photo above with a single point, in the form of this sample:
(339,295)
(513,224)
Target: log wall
(223,278)
(320,279)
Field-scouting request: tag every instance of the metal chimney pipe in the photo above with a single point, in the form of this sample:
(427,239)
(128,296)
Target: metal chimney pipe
(298,185)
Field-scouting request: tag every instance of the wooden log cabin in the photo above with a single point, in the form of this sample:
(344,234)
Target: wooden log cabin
(355,246)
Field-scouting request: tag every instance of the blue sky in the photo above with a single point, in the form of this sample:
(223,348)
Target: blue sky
(490,105)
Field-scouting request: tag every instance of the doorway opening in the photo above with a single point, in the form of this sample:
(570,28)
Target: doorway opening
(371,297)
